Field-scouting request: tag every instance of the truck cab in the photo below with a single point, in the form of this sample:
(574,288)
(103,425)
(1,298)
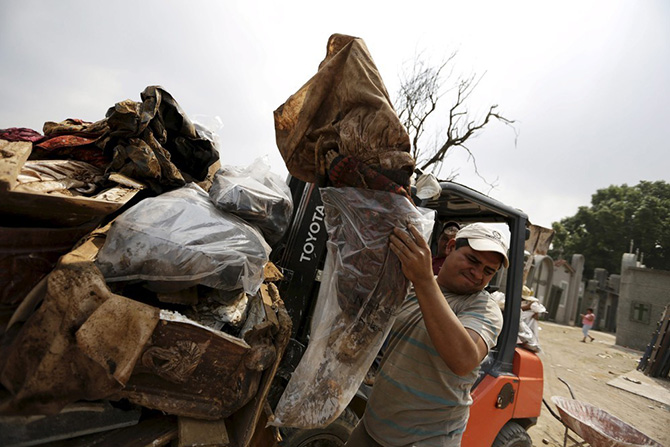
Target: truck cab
(507,396)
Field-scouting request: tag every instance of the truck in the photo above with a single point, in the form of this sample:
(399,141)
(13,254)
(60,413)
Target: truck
(507,395)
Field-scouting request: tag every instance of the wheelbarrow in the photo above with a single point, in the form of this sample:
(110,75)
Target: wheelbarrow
(596,427)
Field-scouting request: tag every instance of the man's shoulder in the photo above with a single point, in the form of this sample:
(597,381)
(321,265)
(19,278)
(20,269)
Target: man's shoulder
(489,306)
(482,295)
(490,303)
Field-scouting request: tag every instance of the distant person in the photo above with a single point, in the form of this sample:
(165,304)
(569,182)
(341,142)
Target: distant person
(448,233)
(529,329)
(587,324)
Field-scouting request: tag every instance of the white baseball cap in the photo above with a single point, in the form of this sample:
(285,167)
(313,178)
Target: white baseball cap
(527,294)
(484,237)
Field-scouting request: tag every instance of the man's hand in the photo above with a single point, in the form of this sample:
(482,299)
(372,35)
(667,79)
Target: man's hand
(413,252)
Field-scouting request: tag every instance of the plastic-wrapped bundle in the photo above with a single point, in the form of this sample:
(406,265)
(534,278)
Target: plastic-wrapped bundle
(362,287)
(255,194)
(180,239)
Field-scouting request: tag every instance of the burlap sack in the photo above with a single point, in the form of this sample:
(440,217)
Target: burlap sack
(344,107)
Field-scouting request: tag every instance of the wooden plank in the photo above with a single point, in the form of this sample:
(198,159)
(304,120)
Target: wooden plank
(152,432)
(202,433)
(265,436)
(12,157)
(663,346)
(77,419)
(642,385)
(266,295)
(248,420)
(665,365)
(659,341)
(271,272)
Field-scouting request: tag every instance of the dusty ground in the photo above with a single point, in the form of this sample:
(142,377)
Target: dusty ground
(588,367)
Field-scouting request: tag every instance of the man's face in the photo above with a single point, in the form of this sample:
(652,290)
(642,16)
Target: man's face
(467,271)
(445,237)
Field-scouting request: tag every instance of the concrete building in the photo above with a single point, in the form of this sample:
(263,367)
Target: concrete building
(558,286)
(630,304)
(644,294)
(540,277)
(602,295)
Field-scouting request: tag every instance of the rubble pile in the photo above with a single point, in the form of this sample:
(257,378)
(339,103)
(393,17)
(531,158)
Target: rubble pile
(135,271)
(136,288)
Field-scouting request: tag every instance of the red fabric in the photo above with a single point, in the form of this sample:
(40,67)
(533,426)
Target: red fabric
(64,141)
(347,171)
(20,134)
(71,147)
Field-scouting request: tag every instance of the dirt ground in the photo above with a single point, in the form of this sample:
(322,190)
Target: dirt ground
(588,367)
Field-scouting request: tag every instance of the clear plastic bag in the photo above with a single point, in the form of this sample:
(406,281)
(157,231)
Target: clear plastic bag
(209,127)
(427,187)
(362,288)
(180,239)
(256,195)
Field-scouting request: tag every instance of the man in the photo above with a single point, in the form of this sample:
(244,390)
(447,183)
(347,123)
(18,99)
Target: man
(443,331)
(529,328)
(448,233)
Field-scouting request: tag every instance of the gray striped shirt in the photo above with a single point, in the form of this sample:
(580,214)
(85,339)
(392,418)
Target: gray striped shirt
(416,399)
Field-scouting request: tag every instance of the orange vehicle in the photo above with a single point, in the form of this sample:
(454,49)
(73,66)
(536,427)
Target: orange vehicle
(507,396)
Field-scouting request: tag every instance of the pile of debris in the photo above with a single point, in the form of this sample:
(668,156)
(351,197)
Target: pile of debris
(166,312)
(161,313)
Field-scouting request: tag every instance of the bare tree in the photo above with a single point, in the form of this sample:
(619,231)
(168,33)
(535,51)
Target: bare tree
(421,88)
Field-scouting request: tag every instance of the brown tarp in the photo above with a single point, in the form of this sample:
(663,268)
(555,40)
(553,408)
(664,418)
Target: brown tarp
(82,343)
(344,107)
(155,142)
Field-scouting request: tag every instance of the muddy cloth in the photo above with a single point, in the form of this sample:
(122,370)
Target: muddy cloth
(255,194)
(71,147)
(73,139)
(179,240)
(65,177)
(20,134)
(362,287)
(155,142)
(76,127)
(82,343)
(152,141)
(344,107)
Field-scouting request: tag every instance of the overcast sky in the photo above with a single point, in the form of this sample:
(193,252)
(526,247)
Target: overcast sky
(586,81)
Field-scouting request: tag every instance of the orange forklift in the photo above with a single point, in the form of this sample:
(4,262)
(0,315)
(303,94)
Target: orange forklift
(507,396)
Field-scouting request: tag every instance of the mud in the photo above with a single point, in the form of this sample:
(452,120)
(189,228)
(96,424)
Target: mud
(588,367)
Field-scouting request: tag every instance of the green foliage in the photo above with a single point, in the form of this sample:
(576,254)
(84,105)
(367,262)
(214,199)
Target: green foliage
(617,215)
